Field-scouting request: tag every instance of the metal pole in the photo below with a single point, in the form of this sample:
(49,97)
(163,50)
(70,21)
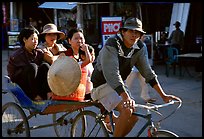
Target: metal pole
(79,19)
(55,17)
(11,10)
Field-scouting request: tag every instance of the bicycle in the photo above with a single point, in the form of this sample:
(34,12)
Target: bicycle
(97,127)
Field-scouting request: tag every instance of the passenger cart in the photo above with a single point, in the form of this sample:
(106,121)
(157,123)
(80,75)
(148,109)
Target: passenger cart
(16,115)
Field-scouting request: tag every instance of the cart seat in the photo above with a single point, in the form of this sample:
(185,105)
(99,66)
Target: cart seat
(44,106)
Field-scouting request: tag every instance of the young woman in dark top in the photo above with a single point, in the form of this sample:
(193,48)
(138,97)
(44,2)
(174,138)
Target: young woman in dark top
(28,65)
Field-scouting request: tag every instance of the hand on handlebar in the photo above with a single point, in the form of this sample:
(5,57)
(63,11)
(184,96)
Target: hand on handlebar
(168,98)
(127,101)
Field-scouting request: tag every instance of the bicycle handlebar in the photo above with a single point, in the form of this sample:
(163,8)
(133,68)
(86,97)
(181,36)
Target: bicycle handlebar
(156,106)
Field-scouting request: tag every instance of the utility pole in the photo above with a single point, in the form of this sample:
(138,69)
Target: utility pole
(79,20)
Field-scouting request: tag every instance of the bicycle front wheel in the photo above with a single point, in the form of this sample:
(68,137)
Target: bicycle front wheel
(14,121)
(64,121)
(94,126)
(164,133)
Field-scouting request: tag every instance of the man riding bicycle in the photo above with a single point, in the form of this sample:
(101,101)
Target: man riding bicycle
(114,64)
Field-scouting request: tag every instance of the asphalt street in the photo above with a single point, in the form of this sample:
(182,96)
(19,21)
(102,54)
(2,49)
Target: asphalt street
(186,122)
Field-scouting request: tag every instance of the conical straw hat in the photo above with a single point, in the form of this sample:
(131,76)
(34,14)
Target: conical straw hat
(64,76)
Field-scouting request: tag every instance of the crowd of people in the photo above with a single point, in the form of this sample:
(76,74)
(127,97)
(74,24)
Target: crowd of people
(106,81)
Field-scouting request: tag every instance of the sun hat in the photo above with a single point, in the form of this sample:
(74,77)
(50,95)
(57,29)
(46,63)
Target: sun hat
(64,76)
(133,24)
(52,28)
(177,23)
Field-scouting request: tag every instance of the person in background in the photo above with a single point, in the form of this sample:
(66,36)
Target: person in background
(114,63)
(163,38)
(40,27)
(176,38)
(32,22)
(28,65)
(143,85)
(49,37)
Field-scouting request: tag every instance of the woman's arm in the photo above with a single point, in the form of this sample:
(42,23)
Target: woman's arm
(50,58)
(87,59)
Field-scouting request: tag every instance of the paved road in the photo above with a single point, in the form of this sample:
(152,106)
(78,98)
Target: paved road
(186,122)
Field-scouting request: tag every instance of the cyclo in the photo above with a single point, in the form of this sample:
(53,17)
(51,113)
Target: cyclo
(69,118)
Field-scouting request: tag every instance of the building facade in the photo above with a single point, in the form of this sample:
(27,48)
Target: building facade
(155,17)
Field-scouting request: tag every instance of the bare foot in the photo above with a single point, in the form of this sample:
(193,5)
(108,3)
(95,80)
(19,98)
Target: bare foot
(38,98)
(49,95)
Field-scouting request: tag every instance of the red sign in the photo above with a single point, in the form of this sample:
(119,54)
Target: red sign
(109,27)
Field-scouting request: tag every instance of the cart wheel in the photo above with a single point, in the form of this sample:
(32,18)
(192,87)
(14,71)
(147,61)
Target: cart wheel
(14,121)
(63,121)
(94,126)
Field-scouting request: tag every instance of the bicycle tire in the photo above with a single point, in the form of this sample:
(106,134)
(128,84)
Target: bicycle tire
(164,133)
(12,116)
(94,126)
(63,126)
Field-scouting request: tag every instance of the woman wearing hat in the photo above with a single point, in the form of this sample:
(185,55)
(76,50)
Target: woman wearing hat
(114,64)
(27,68)
(49,45)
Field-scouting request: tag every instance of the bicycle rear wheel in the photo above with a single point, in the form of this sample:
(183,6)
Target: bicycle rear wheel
(94,126)
(164,133)
(14,121)
(64,121)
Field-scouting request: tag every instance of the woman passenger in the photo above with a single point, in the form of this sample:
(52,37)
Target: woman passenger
(28,65)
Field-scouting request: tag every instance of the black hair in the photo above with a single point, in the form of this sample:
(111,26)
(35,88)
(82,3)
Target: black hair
(26,33)
(72,31)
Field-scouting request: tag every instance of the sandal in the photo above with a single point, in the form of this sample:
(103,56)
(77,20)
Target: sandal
(151,100)
(109,127)
(108,124)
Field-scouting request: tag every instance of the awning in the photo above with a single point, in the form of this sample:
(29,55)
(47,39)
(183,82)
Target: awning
(59,5)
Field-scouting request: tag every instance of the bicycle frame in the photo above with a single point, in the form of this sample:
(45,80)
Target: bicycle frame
(148,116)
(149,123)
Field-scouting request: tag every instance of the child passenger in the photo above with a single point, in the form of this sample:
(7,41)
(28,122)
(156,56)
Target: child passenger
(89,68)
